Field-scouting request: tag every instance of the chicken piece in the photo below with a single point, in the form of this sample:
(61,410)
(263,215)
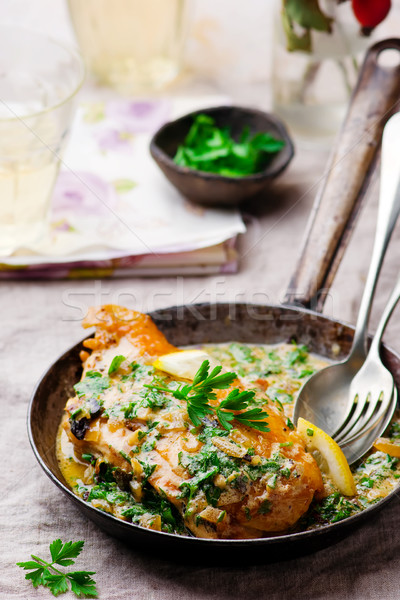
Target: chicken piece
(244,484)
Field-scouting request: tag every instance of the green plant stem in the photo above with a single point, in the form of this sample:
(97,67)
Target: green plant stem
(46,564)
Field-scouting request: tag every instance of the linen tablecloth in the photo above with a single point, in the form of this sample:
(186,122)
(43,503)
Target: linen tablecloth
(40,320)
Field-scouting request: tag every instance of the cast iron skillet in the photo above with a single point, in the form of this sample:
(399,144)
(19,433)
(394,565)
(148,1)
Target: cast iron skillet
(334,213)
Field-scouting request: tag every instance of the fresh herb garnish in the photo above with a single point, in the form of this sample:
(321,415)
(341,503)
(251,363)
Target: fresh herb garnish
(241,353)
(265,507)
(46,574)
(289,424)
(156,504)
(394,432)
(89,457)
(138,372)
(152,399)
(271,483)
(306,372)
(211,149)
(115,364)
(200,392)
(272,370)
(110,492)
(297,356)
(279,395)
(148,469)
(335,507)
(237,400)
(367,482)
(93,385)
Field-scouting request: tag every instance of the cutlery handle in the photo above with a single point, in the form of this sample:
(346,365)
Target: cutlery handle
(351,166)
(387,311)
(388,212)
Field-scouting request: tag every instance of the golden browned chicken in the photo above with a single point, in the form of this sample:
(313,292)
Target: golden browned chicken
(143,459)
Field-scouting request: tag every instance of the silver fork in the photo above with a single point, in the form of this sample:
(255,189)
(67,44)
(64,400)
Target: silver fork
(372,397)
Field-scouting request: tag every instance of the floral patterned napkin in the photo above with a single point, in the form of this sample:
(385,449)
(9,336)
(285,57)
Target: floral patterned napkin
(112,209)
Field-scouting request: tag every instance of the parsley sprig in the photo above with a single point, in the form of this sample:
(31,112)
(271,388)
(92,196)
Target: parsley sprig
(201,391)
(46,574)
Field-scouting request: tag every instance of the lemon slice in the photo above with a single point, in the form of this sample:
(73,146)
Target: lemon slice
(328,455)
(385,445)
(184,363)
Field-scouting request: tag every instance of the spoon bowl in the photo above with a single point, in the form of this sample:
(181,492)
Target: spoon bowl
(323,399)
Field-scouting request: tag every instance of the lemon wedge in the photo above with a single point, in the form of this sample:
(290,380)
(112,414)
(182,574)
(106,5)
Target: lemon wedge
(388,447)
(328,455)
(184,363)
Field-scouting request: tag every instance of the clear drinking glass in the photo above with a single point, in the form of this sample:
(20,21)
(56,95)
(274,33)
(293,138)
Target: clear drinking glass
(38,80)
(131,45)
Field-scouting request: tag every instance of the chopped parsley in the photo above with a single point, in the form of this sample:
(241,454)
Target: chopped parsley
(265,507)
(148,469)
(92,386)
(299,354)
(241,353)
(279,395)
(394,432)
(289,424)
(213,149)
(115,364)
(272,370)
(335,507)
(138,372)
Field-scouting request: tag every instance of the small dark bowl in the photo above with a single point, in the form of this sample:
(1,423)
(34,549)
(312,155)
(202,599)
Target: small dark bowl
(211,189)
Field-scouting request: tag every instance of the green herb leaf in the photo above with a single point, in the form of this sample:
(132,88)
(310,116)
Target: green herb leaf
(30,564)
(82,584)
(265,507)
(251,418)
(63,553)
(297,356)
(58,584)
(308,14)
(201,392)
(115,364)
(289,424)
(335,507)
(35,576)
(237,400)
(46,574)
(93,385)
(148,469)
(211,149)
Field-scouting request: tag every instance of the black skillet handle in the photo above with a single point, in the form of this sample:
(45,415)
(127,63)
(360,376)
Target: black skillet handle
(341,195)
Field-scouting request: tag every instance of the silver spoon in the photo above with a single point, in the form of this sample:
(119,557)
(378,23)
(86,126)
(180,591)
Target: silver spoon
(323,399)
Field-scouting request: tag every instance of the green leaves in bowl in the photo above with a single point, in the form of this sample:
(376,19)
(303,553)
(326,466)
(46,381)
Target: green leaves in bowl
(213,150)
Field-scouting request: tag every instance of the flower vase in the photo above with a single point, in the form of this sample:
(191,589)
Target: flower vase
(311,87)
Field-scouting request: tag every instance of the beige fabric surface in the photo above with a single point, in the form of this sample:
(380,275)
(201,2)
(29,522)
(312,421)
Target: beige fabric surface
(40,320)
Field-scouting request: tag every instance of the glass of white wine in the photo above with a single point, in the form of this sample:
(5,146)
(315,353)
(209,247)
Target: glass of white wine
(135,46)
(38,81)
